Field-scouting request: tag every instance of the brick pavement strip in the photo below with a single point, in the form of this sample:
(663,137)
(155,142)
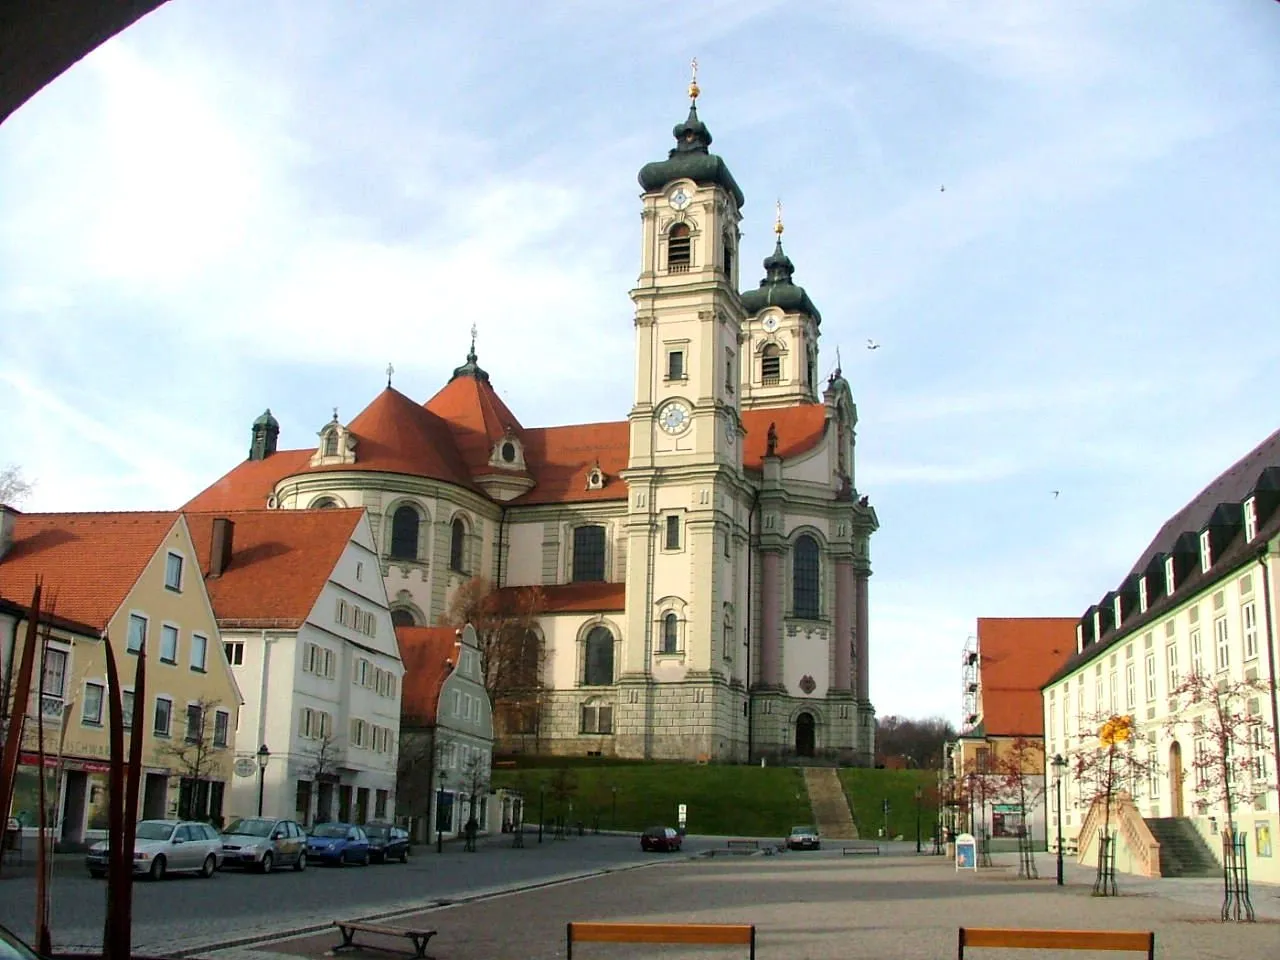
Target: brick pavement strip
(822,908)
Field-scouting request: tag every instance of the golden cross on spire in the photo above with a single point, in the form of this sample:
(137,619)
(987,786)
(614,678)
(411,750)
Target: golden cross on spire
(693,80)
(777,218)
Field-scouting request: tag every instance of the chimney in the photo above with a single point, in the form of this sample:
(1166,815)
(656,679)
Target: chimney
(221,546)
(8,518)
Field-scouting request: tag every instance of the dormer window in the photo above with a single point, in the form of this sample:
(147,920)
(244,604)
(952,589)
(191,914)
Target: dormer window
(1169,583)
(508,452)
(679,248)
(337,445)
(331,443)
(595,478)
(1206,552)
(771,365)
(1079,638)
(1097,625)
(1250,519)
(1117,606)
(1143,599)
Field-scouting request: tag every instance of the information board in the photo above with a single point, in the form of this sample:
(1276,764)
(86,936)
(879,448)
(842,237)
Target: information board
(966,852)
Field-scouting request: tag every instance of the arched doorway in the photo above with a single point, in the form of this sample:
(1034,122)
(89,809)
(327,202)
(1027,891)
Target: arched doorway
(804,735)
(1175,780)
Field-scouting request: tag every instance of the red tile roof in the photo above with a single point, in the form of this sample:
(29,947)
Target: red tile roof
(1017,656)
(560,458)
(429,655)
(798,428)
(395,435)
(89,561)
(478,419)
(249,484)
(575,597)
(280,562)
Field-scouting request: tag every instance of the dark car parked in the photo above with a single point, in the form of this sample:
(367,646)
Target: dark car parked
(660,838)
(387,842)
(338,843)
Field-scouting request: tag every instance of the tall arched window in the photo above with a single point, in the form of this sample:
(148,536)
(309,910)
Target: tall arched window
(404,533)
(679,248)
(331,443)
(771,365)
(588,554)
(670,633)
(805,571)
(457,544)
(597,665)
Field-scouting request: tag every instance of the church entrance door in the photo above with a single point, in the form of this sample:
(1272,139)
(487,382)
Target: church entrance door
(804,735)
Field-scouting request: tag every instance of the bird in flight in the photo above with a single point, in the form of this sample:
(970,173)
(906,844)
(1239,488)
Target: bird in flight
(943,189)
(872,345)
(1055,494)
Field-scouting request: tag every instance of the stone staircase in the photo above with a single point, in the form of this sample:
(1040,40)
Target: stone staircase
(829,805)
(1183,852)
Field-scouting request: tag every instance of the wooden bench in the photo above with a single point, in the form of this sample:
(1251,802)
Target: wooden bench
(349,928)
(1137,941)
(727,934)
(743,845)
(861,846)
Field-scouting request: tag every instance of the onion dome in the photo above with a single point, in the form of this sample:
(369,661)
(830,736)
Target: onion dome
(471,368)
(777,288)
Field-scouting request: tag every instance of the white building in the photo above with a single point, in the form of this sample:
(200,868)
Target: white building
(307,631)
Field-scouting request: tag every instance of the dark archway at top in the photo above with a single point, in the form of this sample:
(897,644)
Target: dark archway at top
(40,41)
(804,735)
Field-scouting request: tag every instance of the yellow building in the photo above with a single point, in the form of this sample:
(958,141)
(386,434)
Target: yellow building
(133,576)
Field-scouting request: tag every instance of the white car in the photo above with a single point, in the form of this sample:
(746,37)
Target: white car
(166,846)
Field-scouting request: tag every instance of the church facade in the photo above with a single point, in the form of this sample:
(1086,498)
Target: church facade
(703,563)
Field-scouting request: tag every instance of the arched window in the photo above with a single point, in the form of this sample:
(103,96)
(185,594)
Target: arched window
(728,257)
(331,443)
(679,248)
(804,578)
(597,665)
(588,554)
(324,503)
(728,635)
(457,543)
(404,533)
(670,633)
(771,365)
(403,618)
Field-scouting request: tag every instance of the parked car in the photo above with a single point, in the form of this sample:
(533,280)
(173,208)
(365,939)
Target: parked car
(262,843)
(166,846)
(338,843)
(804,838)
(13,948)
(387,842)
(660,838)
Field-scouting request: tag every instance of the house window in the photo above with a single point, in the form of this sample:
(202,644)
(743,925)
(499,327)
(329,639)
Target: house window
(670,633)
(1168,577)
(588,554)
(1197,652)
(164,716)
(195,723)
(221,723)
(597,670)
(1118,609)
(597,718)
(91,712)
(679,248)
(137,632)
(359,572)
(199,651)
(675,365)
(1130,686)
(169,643)
(126,708)
(404,533)
(1113,688)
(456,544)
(1206,552)
(1142,595)
(1250,519)
(54,675)
(673,532)
(173,572)
(1171,665)
(805,572)
(1249,620)
(1221,644)
(1151,677)
(771,365)
(234,649)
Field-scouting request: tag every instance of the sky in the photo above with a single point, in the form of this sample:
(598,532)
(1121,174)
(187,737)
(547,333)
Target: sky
(1057,219)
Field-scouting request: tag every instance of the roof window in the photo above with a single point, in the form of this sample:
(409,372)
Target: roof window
(1206,551)
(1250,519)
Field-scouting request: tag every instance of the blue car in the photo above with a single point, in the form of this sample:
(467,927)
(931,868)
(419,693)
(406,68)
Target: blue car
(338,843)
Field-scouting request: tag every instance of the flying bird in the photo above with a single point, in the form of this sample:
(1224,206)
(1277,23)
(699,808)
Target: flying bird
(943,188)
(1055,494)
(872,345)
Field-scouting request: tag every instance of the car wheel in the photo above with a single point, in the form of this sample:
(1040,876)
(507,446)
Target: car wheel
(301,863)
(265,866)
(157,869)
(209,866)
(404,855)
(365,861)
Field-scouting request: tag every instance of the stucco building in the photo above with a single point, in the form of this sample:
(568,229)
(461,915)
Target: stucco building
(704,559)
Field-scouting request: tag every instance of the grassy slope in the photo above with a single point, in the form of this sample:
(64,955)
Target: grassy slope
(866,789)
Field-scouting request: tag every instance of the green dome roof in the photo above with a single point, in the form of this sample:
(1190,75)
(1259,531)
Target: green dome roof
(267,420)
(777,289)
(690,159)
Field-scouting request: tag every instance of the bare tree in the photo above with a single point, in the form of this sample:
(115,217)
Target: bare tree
(416,767)
(1020,778)
(920,742)
(195,751)
(13,487)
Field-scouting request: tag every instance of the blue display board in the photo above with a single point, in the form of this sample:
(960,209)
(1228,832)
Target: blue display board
(966,852)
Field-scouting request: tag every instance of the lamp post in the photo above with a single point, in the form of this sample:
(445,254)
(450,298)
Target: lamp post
(919,794)
(263,756)
(613,818)
(1059,766)
(542,799)
(440,812)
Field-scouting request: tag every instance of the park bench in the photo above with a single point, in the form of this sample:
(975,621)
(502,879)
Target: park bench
(1137,941)
(349,928)
(727,934)
(743,846)
(860,847)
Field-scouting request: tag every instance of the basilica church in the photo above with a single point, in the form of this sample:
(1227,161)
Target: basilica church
(703,561)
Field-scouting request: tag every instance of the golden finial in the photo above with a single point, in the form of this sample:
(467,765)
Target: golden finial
(777,218)
(693,81)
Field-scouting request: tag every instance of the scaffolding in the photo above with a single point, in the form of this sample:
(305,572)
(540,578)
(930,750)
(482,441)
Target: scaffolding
(970,679)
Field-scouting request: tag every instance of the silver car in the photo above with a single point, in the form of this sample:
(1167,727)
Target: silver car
(164,846)
(262,843)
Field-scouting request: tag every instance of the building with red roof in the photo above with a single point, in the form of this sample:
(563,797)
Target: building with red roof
(704,555)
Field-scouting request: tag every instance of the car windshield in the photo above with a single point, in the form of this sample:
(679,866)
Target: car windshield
(330,830)
(251,827)
(377,833)
(799,831)
(153,830)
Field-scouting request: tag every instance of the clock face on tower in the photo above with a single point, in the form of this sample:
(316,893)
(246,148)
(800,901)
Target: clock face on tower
(674,417)
(680,198)
(770,324)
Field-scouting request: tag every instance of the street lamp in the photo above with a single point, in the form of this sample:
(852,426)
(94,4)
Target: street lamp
(1059,766)
(439,811)
(613,819)
(542,800)
(919,794)
(263,756)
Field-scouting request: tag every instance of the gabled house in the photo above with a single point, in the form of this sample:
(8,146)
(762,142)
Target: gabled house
(306,629)
(134,577)
(446,732)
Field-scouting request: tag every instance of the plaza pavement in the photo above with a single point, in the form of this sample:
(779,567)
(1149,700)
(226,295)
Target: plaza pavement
(821,905)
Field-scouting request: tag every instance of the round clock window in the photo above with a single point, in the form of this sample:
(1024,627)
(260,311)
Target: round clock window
(679,198)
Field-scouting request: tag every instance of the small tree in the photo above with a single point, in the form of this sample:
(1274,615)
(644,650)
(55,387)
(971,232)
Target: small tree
(13,487)
(1231,737)
(563,787)
(474,775)
(195,753)
(1019,777)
